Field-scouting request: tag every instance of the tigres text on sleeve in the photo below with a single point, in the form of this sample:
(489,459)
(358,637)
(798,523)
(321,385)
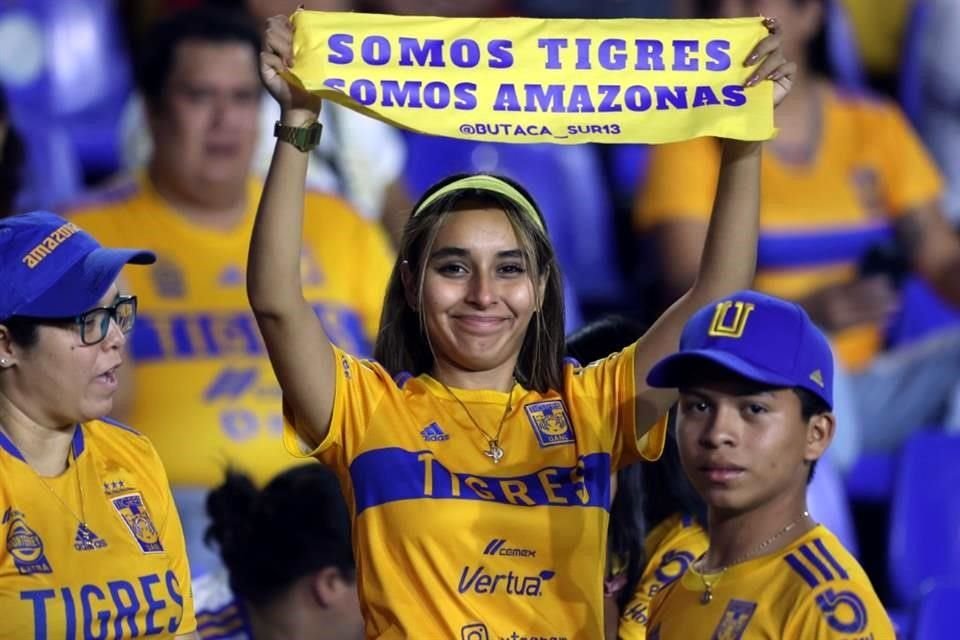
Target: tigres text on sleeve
(450,544)
(120,573)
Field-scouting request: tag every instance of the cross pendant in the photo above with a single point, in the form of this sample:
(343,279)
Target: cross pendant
(494,452)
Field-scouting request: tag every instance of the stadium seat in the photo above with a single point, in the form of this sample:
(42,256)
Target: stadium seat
(910,82)
(827,502)
(567,183)
(65,64)
(842,52)
(871,478)
(922,313)
(52,175)
(628,166)
(925,515)
(936,617)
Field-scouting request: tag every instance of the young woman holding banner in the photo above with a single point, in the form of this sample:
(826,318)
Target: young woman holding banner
(476,463)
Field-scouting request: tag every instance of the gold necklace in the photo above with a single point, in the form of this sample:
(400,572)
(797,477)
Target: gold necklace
(82,519)
(494,450)
(71,464)
(707,595)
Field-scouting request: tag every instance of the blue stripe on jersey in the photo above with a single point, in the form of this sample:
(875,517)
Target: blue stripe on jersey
(822,548)
(816,562)
(800,248)
(238,633)
(220,617)
(802,570)
(10,448)
(78,443)
(221,625)
(116,423)
(392,474)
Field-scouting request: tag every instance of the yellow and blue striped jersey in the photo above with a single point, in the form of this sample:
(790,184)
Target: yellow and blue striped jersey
(220,615)
(202,376)
(450,544)
(818,217)
(122,573)
(670,547)
(813,589)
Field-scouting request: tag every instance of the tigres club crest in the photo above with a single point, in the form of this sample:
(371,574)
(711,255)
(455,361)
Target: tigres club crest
(550,423)
(24,545)
(734,621)
(135,515)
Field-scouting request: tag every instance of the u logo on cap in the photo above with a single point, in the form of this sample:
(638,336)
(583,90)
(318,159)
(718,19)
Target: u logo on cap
(720,327)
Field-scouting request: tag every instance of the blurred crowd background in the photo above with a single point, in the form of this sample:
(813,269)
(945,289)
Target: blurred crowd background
(860,206)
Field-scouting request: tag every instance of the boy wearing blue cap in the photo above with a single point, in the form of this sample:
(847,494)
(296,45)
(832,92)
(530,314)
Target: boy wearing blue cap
(755,377)
(93,543)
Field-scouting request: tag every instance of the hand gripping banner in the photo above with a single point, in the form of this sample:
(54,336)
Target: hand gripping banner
(532,80)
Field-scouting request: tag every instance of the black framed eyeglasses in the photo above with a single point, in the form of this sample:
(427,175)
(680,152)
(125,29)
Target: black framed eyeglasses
(95,324)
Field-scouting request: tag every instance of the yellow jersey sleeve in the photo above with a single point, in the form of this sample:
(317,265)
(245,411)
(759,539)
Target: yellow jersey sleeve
(603,394)
(171,536)
(680,184)
(671,547)
(909,177)
(840,610)
(360,386)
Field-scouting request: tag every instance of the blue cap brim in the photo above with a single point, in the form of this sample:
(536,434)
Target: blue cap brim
(680,369)
(85,283)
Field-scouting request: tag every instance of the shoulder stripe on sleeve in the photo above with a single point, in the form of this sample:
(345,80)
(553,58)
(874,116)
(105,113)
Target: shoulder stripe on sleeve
(816,562)
(822,548)
(802,571)
(115,423)
(401,378)
(226,611)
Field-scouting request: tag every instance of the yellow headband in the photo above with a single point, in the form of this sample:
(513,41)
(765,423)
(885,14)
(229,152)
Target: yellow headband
(487,183)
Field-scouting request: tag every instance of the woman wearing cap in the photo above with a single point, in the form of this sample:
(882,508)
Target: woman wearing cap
(755,377)
(92,545)
(479,480)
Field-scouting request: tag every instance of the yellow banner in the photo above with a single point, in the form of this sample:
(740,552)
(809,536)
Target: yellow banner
(533,80)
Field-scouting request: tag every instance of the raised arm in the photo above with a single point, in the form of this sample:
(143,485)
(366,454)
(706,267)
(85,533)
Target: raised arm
(730,248)
(299,349)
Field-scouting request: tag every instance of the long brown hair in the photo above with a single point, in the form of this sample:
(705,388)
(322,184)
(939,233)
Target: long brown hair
(402,344)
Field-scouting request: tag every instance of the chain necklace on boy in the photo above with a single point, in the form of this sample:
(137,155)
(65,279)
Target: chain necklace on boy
(494,450)
(707,596)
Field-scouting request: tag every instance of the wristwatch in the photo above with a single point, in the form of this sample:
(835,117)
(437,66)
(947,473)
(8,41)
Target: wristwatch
(303,138)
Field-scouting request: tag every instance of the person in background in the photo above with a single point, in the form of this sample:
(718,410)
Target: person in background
(12,158)
(755,377)
(849,206)
(657,519)
(359,158)
(939,117)
(203,390)
(289,565)
(92,538)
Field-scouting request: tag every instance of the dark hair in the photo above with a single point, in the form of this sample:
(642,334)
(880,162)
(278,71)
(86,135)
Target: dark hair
(647,493)
(818,54)
(810,405)
(204,23)
(13,156)
(23,331)
(402,343)
(296,525)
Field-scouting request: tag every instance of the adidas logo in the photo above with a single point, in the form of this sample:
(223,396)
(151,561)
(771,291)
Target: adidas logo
(87,540)
(817,377)
(433,433)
